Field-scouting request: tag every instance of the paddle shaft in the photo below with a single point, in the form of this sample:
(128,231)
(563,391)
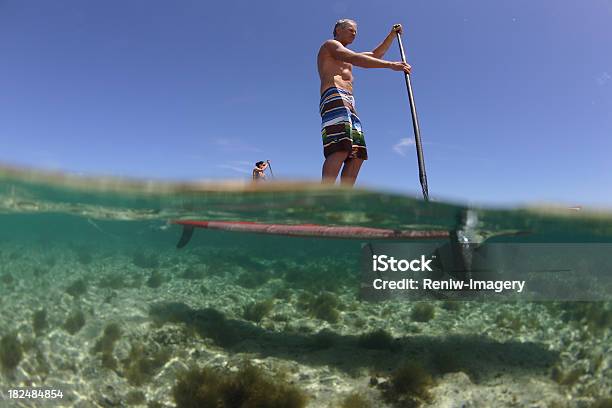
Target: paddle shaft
(415,125)
(270,167)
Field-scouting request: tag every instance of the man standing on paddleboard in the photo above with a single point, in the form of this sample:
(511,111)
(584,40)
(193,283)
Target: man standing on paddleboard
(343,140)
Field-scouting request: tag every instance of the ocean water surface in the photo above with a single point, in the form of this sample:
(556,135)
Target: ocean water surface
(97,302)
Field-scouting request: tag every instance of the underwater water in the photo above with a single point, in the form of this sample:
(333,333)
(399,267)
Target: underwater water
(97,302)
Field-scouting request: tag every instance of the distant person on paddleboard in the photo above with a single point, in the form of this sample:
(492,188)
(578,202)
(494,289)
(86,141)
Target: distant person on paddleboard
(343,141)
(258,171)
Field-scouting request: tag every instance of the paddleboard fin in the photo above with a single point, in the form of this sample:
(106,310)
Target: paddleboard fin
(185,236)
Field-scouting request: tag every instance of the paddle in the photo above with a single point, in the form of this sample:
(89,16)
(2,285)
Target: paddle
(415,122)
(270,167)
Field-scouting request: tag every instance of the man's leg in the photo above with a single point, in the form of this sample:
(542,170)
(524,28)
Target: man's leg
(332,165)
(350,171)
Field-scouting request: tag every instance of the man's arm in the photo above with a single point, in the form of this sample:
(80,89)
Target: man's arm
(340,52)
(383,47)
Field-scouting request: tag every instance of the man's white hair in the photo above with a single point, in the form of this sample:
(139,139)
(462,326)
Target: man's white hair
(343,22)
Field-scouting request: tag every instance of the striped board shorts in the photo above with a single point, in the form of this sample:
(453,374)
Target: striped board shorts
(340,127)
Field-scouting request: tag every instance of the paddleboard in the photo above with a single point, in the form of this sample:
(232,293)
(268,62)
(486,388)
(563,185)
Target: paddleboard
(307,230)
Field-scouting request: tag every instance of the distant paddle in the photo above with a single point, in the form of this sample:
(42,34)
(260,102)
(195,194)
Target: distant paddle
(415,123)
(270,167)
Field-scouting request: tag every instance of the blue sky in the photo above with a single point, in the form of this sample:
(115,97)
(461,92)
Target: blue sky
(514,98)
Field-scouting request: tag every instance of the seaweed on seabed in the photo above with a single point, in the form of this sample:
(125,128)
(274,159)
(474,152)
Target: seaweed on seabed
(11,351)
(106,344)
(324,339)
(377,340)
(7,279)
(39,321)
(596,315)
(422,312)
(324,307)
(355,400)
(155,279)
(452,305)
(255,312)
(142,364)
(74,322)
(508,320)
(408,386)
(112,333)
(283,294)
(567,378)
(249,387)
(603,403)
(77,288)
(136,397)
